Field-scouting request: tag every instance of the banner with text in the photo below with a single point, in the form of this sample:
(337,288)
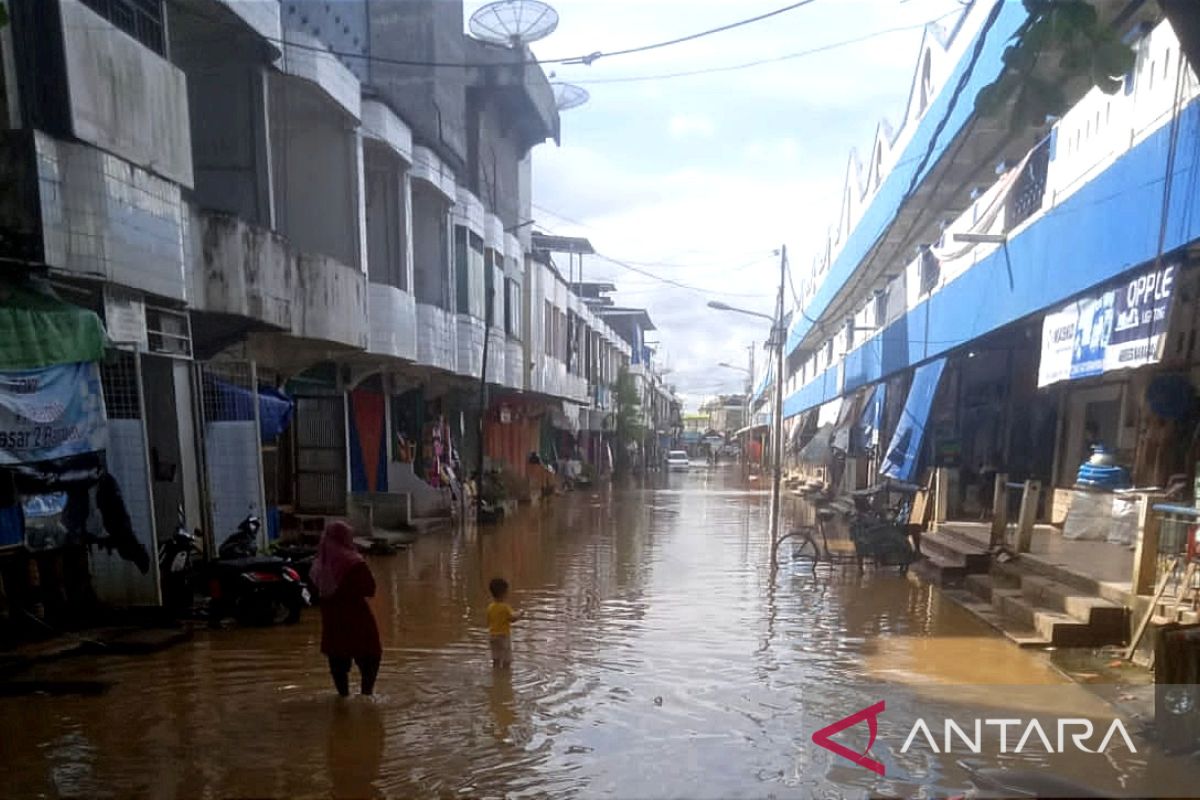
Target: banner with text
(1120,328)
(51,412)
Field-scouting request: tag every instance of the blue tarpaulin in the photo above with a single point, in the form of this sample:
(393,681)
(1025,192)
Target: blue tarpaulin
(871,421)
(904,452)
(237,403)
(12,527)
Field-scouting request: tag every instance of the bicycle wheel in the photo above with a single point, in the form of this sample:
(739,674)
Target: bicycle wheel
(806,550)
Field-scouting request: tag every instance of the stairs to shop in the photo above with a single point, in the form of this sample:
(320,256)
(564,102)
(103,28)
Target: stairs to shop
(1035,609)
(950,558)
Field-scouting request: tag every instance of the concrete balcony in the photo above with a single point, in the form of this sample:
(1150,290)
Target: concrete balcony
(576,389)
(437,337)
(393,322)
(333,301)
(240,270)
(121,96)
(261,16)
(514,364)
(548,376)
(469,360)
(497,358)
(243,271)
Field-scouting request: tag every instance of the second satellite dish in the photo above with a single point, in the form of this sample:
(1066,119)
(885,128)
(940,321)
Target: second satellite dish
(568,95)
(513,23)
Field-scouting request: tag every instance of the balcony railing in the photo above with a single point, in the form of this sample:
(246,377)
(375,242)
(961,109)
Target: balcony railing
(1030,187)
(141,19)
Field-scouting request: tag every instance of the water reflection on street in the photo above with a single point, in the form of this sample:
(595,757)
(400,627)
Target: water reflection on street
(655,660)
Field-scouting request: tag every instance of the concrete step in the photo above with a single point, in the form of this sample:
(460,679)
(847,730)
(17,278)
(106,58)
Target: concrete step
(982,585)
(978,543)
(952,548)
(1095,611)
(1021,567)
(940,571)
(1022,636)
(1059,628)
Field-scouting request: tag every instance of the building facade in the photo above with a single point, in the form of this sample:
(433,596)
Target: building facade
(1003,300)
(310,249)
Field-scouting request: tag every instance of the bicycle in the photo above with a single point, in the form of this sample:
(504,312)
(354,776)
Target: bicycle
(880,534)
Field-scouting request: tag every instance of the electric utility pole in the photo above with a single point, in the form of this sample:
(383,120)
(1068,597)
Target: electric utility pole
(778,335)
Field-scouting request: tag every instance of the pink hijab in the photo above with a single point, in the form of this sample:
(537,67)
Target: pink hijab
(336,554)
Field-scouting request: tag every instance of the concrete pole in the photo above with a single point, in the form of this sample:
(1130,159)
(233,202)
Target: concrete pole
(779,334)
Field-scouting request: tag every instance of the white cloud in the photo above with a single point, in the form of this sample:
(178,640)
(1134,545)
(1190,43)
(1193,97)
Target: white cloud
(683,126)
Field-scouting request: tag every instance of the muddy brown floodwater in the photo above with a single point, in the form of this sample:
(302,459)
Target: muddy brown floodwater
(655,660)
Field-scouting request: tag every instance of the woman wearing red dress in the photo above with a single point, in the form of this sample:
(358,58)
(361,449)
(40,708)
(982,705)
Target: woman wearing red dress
(348,630)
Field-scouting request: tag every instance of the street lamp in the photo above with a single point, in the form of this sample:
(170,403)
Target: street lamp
(719,306)
(733,366)
(778,339)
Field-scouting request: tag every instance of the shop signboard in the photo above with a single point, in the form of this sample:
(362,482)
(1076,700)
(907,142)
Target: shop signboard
(1058,343)
(125,317)
(51,412)
(1119,328)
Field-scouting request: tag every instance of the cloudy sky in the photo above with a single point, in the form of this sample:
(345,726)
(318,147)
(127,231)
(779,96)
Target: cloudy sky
(699,179)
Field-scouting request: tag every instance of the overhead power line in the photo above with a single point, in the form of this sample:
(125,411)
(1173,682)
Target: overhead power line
(587,59)
(675,283)
(774,60)
(690,37)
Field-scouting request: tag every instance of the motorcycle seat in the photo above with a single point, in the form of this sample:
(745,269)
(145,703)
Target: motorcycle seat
(250,562)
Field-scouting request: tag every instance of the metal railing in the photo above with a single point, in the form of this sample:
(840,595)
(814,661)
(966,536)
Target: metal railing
(1025,200)
(141,19)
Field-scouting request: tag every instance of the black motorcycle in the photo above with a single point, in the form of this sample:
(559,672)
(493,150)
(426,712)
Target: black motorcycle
(177,559)
(251,588)
(254,589)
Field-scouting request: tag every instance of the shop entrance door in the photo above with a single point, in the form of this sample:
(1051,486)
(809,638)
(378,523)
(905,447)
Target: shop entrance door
(321,454)
(1093,415)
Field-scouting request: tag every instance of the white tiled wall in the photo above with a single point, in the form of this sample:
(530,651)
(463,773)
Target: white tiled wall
(234,479)
(470,346)
(118,582)
(437,336)
(103,216)
(497,357)
(514,357)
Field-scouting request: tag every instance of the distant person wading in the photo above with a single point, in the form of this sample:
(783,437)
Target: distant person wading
(348,629)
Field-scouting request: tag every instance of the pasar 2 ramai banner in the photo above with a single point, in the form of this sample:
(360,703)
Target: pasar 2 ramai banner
(1121,327)
(52,412)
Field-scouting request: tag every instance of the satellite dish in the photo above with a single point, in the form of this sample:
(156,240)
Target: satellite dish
(568,96)
(513,23)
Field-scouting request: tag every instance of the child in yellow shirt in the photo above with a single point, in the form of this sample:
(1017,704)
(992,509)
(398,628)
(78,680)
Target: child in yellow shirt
(500,616)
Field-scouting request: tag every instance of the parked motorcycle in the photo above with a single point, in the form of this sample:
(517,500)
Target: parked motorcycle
(254,589)
(239,583)
(177,559)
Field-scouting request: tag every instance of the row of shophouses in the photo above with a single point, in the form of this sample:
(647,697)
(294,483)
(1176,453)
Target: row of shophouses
(996,299)
(303,224)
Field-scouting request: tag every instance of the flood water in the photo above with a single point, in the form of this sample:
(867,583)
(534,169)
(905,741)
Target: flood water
(655,660)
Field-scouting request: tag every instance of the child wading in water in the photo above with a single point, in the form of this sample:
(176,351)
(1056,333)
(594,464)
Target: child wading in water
(500,616)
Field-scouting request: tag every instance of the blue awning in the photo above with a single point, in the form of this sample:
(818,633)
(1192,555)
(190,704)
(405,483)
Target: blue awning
(871,421)
(905,450)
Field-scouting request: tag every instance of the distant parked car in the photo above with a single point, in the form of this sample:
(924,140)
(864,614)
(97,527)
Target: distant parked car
(678,460)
